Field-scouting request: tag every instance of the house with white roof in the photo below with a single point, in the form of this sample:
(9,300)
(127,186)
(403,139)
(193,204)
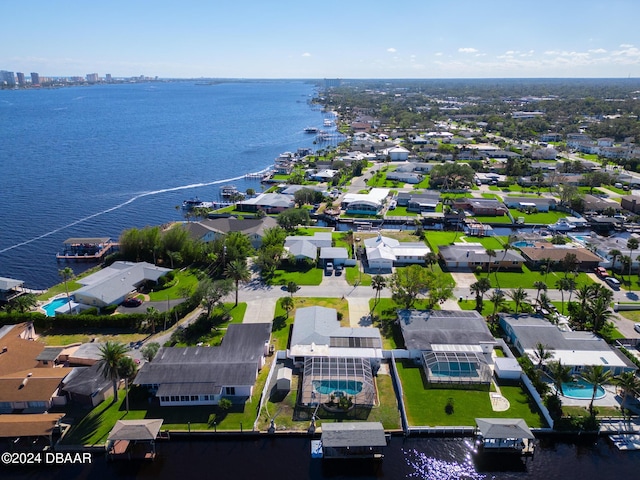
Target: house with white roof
(301,247)
(269,203)
(397,154)
(365,203)
(111,285)
(575,349)
(384,252)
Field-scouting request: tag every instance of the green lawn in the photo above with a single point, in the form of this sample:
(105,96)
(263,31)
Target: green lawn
(304,276)
(437,238)
(546,218)
(426,407)
(492,219)
(354,275)
(183,280)
(401,212)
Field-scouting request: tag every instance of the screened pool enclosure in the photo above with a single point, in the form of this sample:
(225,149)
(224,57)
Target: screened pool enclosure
(326,379)
(449,368)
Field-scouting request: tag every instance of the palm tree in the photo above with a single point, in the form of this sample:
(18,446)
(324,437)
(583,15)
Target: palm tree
(152,314)
(632,244)
(542,353)
(626,265)
(539,285)
(596,375)
(127,370)
(287,303)
(547,265)
(67,274)
(110,355)
(479,288)
(518,295)
(491,254)
(497,298)
(562,284)
(629,384)
(292,287)
(614,254)
(560,374)
(378,283)
(430,259)
(599,313)
(237,271)
(571,287)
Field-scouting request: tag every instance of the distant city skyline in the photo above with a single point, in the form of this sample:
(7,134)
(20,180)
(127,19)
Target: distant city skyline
(286,39)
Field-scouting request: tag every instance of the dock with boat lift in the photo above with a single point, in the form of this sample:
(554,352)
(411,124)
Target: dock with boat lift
(87,249)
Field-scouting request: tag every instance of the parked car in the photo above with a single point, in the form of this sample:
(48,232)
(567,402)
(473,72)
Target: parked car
(338,270)
(636,327)
(328,268)
(601,272)
(132,302)
(613,282)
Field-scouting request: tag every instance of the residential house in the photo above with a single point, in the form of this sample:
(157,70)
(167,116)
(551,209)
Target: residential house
(599,205)
(575,349)
(269,203)
(470,256)
(630,203)
(481,206)
(540,252)
(419,202)
(181,376)
(384,252)
(540,204)
(335,360)
(405,177)
(365,203)
(212,229)
(86,385)
(325,175)
(397,154)
(453,346)
(112,284)
(335,255)
(32,391)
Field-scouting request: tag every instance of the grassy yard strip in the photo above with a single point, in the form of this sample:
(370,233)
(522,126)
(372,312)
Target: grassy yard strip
(355,276)
(183,281)
(401,212)
(526,278)
(310,276)
(426,407)
(68,339)
(545,218)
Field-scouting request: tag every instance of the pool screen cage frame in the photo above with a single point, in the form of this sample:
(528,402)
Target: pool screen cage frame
(430,360)
(336,369)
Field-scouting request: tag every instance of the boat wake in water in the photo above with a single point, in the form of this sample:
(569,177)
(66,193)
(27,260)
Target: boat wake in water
(125,203)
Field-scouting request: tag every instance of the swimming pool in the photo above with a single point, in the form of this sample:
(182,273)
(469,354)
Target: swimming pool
(581,389)
(454,369)
(327,387)
(522,244)
(50,308)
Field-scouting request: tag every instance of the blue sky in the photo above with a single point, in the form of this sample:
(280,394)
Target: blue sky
(323,38)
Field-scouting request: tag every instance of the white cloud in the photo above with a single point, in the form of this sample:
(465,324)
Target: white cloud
(391,50)
(306,54)
(467,50)
(598,50)
(439,54)
(626,45)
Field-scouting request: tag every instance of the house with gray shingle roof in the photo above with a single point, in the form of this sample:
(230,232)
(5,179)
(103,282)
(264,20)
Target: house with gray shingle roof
(204,375)
(469,256)
(213,228)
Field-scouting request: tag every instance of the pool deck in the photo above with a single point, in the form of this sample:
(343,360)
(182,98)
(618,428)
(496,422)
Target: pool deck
(610,399)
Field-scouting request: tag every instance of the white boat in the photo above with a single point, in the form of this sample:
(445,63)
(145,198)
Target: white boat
(328,122)
(562,225)
(195,202)
(228,191)
(311,130)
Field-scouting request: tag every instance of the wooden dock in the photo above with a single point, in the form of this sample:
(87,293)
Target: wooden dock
(91,249)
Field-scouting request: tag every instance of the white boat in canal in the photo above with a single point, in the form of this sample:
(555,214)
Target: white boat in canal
(562,225)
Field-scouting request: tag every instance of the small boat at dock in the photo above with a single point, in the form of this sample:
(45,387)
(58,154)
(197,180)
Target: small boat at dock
(195,202)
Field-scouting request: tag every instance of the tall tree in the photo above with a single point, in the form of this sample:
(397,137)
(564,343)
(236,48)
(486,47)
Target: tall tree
(630,385)
(67,274)
(597,376)
(491,253)
(539,286)
(632,244)
(542,353)
(497,299)
(126,370)
(237,271)
(614,254)
(560,374)
(211,292)
(111,353)
(430,259)
(287,303)
(518,295)
(378,283)
(407,283)
(152,316)
(479,288)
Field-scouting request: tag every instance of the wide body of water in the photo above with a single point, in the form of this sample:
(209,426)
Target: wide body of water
(93,161)
(405,458)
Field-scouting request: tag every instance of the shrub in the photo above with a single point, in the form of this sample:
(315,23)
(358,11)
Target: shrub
(224,404)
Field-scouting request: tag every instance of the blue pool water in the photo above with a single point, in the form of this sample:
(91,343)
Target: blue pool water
(522,244)
(581,390)
(455,369)
(327,387)
(50,308)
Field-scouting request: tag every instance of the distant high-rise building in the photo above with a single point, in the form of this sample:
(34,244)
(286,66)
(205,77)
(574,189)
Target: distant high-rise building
(108,78)
(7,78)
(92,78)
(35,78)
(21,81)
(331,82)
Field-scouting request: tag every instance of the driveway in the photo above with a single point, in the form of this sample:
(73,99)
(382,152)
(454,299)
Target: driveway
(463,280)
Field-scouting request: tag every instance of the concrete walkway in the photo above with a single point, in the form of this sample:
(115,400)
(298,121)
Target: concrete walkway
(261,310)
